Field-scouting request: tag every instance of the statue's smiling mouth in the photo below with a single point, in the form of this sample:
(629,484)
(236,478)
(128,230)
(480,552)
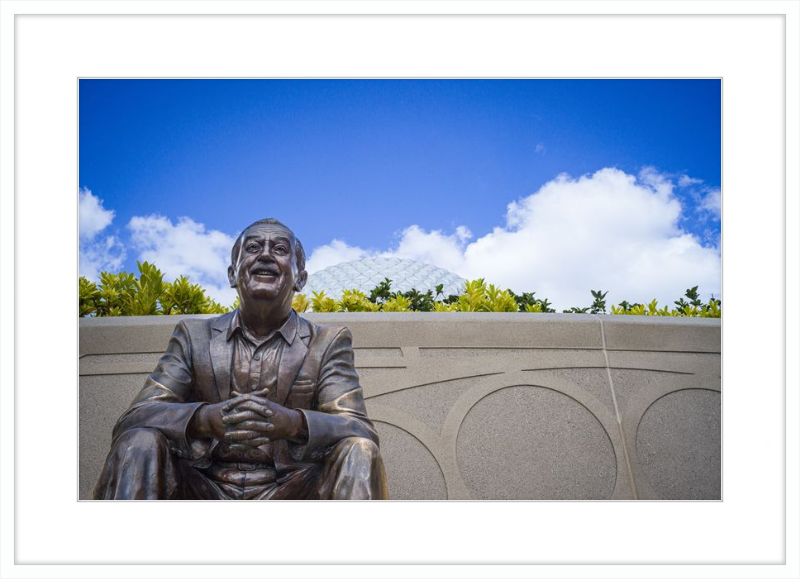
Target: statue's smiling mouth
(265,271)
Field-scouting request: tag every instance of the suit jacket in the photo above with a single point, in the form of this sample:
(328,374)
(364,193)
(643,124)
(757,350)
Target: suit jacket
(316,375)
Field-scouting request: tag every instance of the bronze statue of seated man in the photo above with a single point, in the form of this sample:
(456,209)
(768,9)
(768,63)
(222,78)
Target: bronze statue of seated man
(258,403)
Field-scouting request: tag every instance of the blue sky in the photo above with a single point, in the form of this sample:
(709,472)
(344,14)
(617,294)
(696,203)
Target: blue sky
(558,186)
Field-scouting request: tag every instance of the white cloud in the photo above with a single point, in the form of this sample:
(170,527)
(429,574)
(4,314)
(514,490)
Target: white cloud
(337,251)
(92,216)
(96,253)
(707,200)
(434,247)
(103,254)
(607,231)
(539,149)
(686,181)
(186,248)
(712,203)
(659,183)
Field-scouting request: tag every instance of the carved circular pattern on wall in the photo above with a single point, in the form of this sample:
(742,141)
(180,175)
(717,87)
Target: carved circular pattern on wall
(529,442)
(678,443)
(420,477)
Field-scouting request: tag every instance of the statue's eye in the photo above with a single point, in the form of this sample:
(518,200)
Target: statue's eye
(280,250)
(253,247)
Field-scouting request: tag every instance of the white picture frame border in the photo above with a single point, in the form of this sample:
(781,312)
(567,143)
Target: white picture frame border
(43,46)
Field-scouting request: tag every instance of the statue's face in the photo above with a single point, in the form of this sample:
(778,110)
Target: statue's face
(266,268)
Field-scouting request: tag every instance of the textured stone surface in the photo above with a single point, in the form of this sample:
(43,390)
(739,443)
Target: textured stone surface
(361,353)
(95,364)
(468,330)
(370,376)
(688,362)
(102,400)
(679,445)
(592,380)
(662,334)
(470,352)
(128,334)
(411,470)
(533,443)
(630,384)
(567,358)
(429,404)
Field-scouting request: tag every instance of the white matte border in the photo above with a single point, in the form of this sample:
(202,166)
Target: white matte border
(45,55)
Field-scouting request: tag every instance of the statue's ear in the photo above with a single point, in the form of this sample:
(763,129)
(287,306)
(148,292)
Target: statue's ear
(232,276)
(300,282)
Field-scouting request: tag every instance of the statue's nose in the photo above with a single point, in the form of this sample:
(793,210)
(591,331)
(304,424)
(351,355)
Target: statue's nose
(266,257)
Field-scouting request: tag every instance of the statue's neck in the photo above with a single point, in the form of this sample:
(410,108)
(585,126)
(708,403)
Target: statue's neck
(262,319)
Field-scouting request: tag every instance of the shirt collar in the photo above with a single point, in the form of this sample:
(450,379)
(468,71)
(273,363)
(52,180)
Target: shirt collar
(287,330)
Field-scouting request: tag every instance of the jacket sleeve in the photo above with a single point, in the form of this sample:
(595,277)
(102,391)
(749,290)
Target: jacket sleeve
(164,401)
(339,411)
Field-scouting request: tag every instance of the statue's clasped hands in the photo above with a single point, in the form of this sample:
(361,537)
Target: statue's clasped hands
(251,419)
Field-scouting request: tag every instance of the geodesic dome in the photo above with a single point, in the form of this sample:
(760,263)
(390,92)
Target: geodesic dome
(365,274)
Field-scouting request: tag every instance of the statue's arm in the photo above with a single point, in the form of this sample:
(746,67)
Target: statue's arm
(165,402)
(340,410)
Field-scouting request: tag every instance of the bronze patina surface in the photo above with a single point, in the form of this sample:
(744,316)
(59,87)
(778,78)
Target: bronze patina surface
(255,404)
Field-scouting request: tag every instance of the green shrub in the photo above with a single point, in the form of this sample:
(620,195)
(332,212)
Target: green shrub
(354,300)
(301,303)
(322,303)
(182,297)
(381,292)
(527,302)
(123,294)
(88,296)
(497,300)
(693,308)
(398,303)
(474,297)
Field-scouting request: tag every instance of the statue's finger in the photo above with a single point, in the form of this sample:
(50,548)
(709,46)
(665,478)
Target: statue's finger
(240,416)
(256,442)
(256,407)
(237,402)
(236,417)
(257,425)
(233,403)
(239,435)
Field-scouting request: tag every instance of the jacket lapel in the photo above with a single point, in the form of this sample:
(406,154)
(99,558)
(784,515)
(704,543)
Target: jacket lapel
(221,352)
(294,354)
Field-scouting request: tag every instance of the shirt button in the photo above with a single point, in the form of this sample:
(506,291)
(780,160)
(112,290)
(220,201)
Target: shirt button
(257,356)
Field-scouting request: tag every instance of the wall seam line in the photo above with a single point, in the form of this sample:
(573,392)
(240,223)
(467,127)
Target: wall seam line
(617,412)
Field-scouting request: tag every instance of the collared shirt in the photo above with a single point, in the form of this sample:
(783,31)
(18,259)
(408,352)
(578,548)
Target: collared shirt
(254,366)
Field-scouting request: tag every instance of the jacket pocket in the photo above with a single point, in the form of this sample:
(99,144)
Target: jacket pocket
(303,386)
(301,394)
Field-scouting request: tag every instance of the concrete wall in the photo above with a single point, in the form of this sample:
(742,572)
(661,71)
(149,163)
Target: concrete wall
(489,406)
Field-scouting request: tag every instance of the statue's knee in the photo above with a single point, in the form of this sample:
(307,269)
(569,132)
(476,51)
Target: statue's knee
(361,446)
(141,440)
